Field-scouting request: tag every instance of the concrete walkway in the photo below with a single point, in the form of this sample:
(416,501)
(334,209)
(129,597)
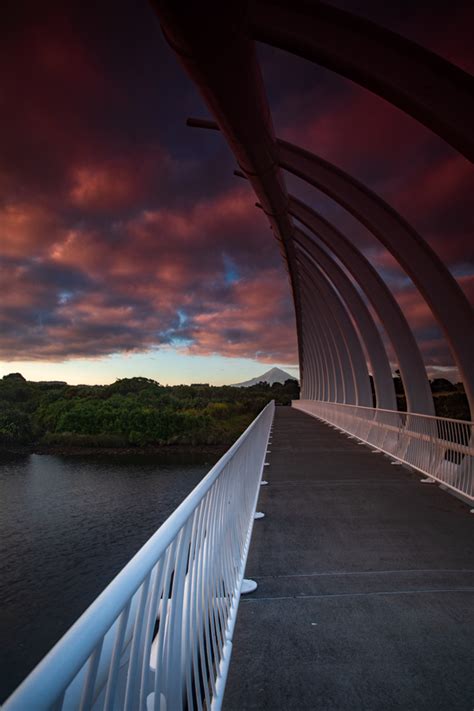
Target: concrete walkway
(365,576)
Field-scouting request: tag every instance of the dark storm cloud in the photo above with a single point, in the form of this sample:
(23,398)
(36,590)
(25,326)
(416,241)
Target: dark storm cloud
(122,230)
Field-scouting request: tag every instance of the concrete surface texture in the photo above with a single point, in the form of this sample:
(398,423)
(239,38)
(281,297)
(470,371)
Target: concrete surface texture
(365,595)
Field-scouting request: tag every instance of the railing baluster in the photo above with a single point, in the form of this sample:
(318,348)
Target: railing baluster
(143,666)
(170,610)
(174,661)
(200,603)
(193,617)
(111,688)
(91,675)
(132,686)
(163,631)
(58,704)
(440,448)
(207,603)
(191,683)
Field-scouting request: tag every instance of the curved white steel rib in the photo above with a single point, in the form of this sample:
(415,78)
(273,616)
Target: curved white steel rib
(369,333)
(410,361)
(442,293)
(420,82)
(326,336)
(358,383)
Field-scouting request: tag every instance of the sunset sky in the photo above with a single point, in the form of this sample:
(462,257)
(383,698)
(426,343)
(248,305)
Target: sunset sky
(127,246)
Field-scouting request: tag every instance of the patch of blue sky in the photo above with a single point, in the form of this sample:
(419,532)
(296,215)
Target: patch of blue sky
(178,342)
(463,269)
(231,273)
(64,297)
(182,317)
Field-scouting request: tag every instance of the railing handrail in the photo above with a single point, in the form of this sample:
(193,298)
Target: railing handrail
(398,412)
(98,618)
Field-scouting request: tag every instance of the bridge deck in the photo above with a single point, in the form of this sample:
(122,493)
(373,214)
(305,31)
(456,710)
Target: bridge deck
(365,594)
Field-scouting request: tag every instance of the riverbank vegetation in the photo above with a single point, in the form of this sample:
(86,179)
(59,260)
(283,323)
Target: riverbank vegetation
(141,413)
(449,399)
(132,412)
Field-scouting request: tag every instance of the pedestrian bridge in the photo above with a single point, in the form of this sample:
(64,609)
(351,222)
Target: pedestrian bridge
(360,577)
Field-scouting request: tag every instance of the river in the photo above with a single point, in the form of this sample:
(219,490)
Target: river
(68,524)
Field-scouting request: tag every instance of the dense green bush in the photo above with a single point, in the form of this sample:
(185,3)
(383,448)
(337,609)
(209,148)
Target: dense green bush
(130,412)
(141,412)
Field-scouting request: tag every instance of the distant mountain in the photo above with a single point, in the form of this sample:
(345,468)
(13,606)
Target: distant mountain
(274,375)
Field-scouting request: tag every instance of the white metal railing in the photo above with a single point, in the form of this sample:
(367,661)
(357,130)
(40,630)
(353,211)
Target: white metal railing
(159,637)
(439,447)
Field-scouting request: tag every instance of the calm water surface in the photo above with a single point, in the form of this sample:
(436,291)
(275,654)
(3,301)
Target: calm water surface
(68,525)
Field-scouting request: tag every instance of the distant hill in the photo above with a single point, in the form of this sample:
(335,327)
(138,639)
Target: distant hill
(274,375)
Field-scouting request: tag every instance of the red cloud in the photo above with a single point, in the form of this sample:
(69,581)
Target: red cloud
(119,183)
(52,86)
(437,200)
(134,276)
(355,130)
(449,179)
(415,309)
(258,304)
(113,242)
(103,187)
(27,229)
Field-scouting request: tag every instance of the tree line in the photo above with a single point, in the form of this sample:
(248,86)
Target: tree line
(139,412)
(130,412)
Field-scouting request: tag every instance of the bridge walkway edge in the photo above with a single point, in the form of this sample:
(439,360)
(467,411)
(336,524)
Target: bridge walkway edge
(365,577)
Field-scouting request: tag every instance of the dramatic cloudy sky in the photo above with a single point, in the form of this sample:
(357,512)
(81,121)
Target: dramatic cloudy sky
(127,247)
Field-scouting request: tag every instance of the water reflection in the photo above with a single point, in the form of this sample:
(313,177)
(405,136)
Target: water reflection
(68,525)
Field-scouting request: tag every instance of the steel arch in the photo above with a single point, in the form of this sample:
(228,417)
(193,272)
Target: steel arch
(369,333)
(432,90)
(439,288)
(357,384)
(410,362)
(233,89)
